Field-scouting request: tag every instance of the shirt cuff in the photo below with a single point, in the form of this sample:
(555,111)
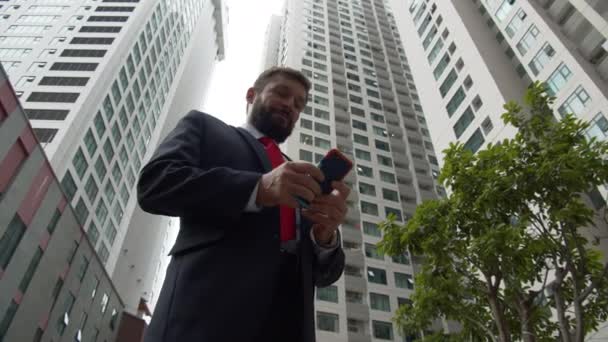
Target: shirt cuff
(324,252)
(251,206)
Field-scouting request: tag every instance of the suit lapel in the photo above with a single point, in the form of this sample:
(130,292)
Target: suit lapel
(257,147)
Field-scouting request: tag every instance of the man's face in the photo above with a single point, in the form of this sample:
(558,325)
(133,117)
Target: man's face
(275,110)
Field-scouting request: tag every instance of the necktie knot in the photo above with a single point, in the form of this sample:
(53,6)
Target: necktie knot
(266,141)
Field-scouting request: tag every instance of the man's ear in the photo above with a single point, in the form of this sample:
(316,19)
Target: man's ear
(250,95)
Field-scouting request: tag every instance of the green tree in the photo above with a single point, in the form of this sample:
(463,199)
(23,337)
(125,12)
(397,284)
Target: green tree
(511,254)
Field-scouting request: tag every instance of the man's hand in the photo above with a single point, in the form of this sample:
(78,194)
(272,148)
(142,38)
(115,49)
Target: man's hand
(327,212)
(279,186)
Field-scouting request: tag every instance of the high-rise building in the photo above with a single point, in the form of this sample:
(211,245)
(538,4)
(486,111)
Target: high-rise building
(271,42)
(364,102)
(53,286)
(473,56)
(101,82)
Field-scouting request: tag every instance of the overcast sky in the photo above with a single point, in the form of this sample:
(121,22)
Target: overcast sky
(247,24)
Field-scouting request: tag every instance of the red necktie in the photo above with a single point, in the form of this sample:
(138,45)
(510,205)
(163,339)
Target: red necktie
(288,215)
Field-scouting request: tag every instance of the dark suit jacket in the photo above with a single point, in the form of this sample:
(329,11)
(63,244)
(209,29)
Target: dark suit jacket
(225,262)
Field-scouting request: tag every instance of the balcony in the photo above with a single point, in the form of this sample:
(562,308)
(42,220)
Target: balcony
(353,256)
(357,311)
(350,233)
(358,337)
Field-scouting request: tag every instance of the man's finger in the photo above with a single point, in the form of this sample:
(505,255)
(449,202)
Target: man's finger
(301,191)
(307,169)
(317,217)
(305,181)
(342,188)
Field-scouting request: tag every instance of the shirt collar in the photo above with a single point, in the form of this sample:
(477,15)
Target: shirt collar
(252,130)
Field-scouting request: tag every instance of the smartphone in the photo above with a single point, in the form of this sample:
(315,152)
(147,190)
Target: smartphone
(335,166)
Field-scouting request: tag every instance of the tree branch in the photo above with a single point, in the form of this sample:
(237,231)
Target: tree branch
(594,284)
(483,327)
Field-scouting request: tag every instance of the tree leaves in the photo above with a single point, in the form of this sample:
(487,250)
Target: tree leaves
(514,216)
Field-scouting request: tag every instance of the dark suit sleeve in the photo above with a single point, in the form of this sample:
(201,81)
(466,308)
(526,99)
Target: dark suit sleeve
(178,182)
(327,272)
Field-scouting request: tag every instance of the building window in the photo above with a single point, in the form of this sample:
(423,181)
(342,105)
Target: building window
(382,330)
(306,123)
(487,125)
(100,167)
(379,131)
(67,309)
(39,96)
(542,58)
(455,101)
(463,122)
(371,229)
(62,66)
(328,322)
(435,51)
(80,163)
(369,208)
(108,149)
(90,142)
(376,275)
(83,53)
(64,81)
(448,82)
(91,188)
(53,223)
(503,11)
(328,294)
(354,297)
(360,139)
(363,155)
(371,251)
(441,66)
(598,127)
(306,139)
(306,156)
(322,143)
(9,314)
(45,135)
(516,23)
(388,211)
(384,161)
(81,212)
(528,40)
(558,79)
(93,233)
(103,255)
(381,145)
(576,102)
(111,233)
(68,185)
(387,177)
(101,212)
(404,281)
(390,195)
(401,259)
(367,189)
(10,240)
(379,302)
(319,127)
(475,141)
(365,171)
(82,269)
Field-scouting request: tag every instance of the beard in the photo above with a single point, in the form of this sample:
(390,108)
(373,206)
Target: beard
(270,122)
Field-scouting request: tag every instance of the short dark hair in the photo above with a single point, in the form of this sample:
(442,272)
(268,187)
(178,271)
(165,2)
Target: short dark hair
(288,72)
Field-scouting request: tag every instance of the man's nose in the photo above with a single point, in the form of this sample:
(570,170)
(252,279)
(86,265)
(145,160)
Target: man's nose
(289,104)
